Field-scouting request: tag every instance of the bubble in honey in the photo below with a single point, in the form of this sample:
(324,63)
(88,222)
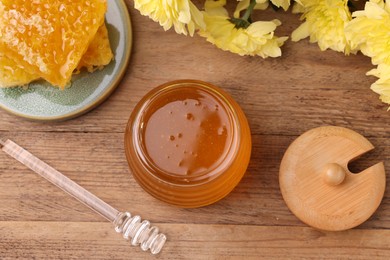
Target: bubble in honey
(221,130)
(190,116)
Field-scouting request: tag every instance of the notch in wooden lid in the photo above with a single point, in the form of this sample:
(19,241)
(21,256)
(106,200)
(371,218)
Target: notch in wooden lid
(318,187)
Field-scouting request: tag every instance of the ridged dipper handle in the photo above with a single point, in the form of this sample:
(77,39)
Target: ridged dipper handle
(139,233)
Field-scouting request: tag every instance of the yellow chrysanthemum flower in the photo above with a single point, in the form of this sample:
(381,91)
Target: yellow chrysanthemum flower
(257,39)
(382,85)
(325,22)
(181,14)
(369,31)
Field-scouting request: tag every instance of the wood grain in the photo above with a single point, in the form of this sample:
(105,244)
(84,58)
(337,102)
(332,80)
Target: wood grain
(282,98)
(75,240)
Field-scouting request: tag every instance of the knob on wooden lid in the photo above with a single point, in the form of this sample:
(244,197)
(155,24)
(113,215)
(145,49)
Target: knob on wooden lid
(318,187)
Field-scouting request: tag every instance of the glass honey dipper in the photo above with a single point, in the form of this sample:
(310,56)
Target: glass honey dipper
(138,232)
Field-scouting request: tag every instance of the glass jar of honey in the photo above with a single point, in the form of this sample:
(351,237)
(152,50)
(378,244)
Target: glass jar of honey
(188,143)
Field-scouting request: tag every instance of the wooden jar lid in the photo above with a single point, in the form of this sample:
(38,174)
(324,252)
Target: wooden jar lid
(318,187)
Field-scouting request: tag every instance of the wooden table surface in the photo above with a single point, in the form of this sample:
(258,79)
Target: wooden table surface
(282,98)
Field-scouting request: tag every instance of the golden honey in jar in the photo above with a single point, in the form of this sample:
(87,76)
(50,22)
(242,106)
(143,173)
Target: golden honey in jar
(188,143)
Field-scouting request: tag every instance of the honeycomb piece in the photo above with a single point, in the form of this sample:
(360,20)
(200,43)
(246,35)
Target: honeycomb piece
(99,51)
(49,37)
(12,75)
(98,55)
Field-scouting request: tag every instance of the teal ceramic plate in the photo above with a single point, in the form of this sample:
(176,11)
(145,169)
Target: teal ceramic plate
(41,101)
